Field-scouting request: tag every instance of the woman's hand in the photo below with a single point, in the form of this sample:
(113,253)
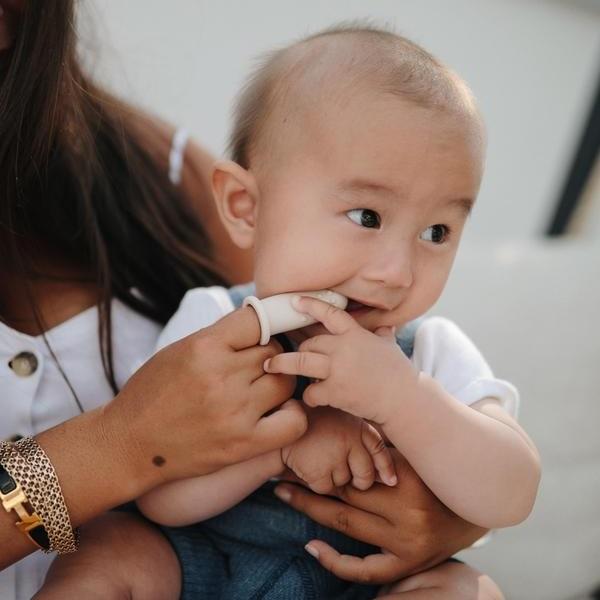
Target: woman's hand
(204,403)
(413,528)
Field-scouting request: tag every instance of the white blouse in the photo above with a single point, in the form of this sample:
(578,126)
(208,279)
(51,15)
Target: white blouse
(36,397)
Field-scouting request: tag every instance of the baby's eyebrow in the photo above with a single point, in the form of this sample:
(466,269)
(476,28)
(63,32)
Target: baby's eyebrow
(464,205)
(364,185)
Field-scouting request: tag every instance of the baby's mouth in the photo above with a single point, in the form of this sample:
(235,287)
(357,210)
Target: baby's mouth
(355,306)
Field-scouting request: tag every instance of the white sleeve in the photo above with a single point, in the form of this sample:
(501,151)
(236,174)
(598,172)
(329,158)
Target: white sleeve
(446,354)
(199,308)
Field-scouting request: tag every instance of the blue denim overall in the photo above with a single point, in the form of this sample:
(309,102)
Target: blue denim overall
(255,550)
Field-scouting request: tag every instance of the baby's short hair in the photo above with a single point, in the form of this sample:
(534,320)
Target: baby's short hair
(347,55)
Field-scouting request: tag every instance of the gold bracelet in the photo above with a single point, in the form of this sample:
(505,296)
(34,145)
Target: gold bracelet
(46,492)
(30,466)
(14,498)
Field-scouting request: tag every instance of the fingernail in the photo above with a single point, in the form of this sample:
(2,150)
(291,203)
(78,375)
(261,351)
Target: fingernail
(312,550)
(391,481)
(283,494)
(266,364)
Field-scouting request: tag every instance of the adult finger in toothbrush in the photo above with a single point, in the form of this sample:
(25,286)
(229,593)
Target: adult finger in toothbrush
(277,314)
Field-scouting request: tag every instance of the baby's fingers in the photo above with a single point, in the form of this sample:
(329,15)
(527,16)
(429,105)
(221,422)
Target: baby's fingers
(309,364)
(387,333)
(362,467)
(380,454)
(336,320)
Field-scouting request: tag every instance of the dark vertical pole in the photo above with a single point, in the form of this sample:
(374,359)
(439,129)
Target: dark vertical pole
(580,171)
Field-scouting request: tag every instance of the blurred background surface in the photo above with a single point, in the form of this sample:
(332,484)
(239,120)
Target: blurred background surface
(530,302)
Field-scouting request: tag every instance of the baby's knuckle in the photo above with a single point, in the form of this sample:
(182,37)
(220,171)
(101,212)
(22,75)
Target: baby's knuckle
(321,487)
(379,447)
(364,472)
(361,483)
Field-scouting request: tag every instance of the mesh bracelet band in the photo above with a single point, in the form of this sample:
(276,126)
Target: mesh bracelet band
(31,468)
(46,495)
(13,497)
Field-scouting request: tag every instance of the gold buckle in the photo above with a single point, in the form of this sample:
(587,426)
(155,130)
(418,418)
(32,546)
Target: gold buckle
(16,500)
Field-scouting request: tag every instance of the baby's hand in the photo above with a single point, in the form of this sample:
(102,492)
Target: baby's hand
(363,373)
(337,448)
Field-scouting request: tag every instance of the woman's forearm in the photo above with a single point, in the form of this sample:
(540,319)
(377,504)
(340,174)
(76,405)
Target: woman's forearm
(94,470)
(483,468)
(191,500)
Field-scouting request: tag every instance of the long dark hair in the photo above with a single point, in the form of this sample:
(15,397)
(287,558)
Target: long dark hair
(77,174)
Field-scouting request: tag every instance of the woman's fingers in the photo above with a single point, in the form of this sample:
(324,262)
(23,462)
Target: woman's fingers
(336,320)
(280,428)
(353,522)
(309,364)
(375,568)
(239,329)
(270,391)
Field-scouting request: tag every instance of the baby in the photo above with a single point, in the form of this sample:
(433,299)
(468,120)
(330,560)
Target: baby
(357,158)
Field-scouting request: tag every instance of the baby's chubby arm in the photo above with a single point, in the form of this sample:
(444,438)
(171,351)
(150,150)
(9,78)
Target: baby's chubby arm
(188,501)
(336,448)
(480,463)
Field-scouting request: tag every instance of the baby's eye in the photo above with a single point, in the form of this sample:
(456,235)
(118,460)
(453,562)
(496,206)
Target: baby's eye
(365,218)
(436,234)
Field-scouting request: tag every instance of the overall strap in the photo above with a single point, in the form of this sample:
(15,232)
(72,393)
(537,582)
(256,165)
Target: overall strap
(405,337)
(237,293)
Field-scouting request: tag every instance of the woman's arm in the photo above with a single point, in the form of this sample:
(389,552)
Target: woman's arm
(191,500)
(209,388)
(413,528)
(95,470)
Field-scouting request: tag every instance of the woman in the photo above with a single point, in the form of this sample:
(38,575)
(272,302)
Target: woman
(97,247)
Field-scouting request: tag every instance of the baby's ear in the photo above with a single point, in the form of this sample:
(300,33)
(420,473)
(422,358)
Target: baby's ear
(236,194)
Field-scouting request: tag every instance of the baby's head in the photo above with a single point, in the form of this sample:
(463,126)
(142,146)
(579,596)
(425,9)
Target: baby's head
(356,159)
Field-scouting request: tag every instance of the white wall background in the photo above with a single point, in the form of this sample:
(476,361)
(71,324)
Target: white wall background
(531,63)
